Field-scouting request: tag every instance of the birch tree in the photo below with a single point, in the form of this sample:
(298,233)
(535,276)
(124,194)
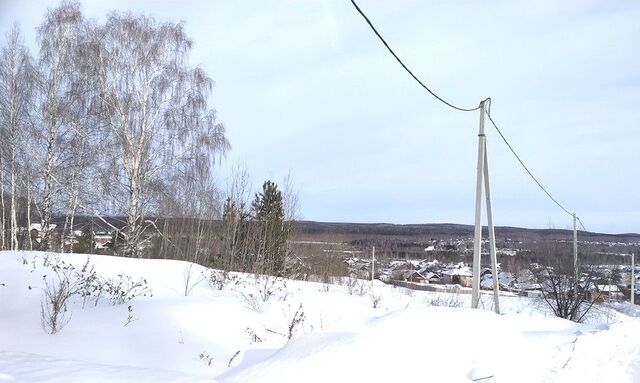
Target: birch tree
(16,81)
(59,37)
(155,108)
(81,146)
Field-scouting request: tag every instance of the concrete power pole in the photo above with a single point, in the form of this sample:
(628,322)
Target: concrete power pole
(373,263)
(477,235)
(575,246)
(492,236)
(633,279)
(483,180)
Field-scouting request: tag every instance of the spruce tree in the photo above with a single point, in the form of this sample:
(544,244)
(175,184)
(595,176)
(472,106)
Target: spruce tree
(272,229)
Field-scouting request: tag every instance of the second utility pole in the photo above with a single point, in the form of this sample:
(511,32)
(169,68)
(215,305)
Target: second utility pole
(373,263)
(633,279)
(575,246)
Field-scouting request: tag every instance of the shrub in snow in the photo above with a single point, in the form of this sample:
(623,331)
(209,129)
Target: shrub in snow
(253,336)
(46,260)
(220,279)
(90,283)
(295,321)
(376,299)
(566,291)
(66,281)
(130,317)
(232,358)
(409,292)
(356,286)
(325,287)
(56,293)
(206,358)
(253,302)
(122,289)
(449,300)
(260,288)
(190,279)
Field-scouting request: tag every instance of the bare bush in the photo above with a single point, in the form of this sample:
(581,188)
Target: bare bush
(565,287)
(566,291)
(356,286)
(206,358)
(191,280)
(376,299)
(57,292)
(253,302)
(90,283)
(53,307)
(263,288)
(232,358)
(448,300)
(68,281)
(130,318)
(325,287)
(46,260)
(267,286)
(220,279)
(409,292)
(253,336)
(295,321)
(124,288)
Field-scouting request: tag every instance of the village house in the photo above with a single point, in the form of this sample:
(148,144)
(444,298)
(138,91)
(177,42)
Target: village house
(461,276)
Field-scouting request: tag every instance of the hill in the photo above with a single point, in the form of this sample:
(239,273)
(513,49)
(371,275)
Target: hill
(199,326)
(313,230)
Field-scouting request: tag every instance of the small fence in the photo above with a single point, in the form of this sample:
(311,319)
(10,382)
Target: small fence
(452,289)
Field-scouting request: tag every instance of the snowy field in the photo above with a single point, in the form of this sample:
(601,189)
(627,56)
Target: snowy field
(182,325)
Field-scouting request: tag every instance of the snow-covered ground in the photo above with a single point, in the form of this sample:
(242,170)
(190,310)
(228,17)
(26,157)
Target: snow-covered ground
(231,335)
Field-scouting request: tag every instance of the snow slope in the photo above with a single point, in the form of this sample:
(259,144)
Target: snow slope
(213,335)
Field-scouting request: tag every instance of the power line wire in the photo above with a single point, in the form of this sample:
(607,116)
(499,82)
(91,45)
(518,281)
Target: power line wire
(487,111)
(526,168)
(581,224)
(406,68)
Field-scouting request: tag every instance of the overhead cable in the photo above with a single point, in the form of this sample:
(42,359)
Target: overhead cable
(406,68)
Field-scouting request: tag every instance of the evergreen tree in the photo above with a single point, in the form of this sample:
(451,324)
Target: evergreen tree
(84,243)
(272,230)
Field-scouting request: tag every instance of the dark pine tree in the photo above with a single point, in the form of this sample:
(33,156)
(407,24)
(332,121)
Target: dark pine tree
(272,230)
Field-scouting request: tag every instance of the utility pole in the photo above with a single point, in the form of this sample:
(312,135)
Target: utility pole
(633,279)
(373,263)
(477,236)
(492,237)
(575,246)
(483,181)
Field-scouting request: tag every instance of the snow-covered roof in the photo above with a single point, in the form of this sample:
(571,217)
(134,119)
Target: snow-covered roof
(608,288)
(463,271)
(430,275)
(38,226)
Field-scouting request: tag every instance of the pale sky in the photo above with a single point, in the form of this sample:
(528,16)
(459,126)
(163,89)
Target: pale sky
(305,88)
